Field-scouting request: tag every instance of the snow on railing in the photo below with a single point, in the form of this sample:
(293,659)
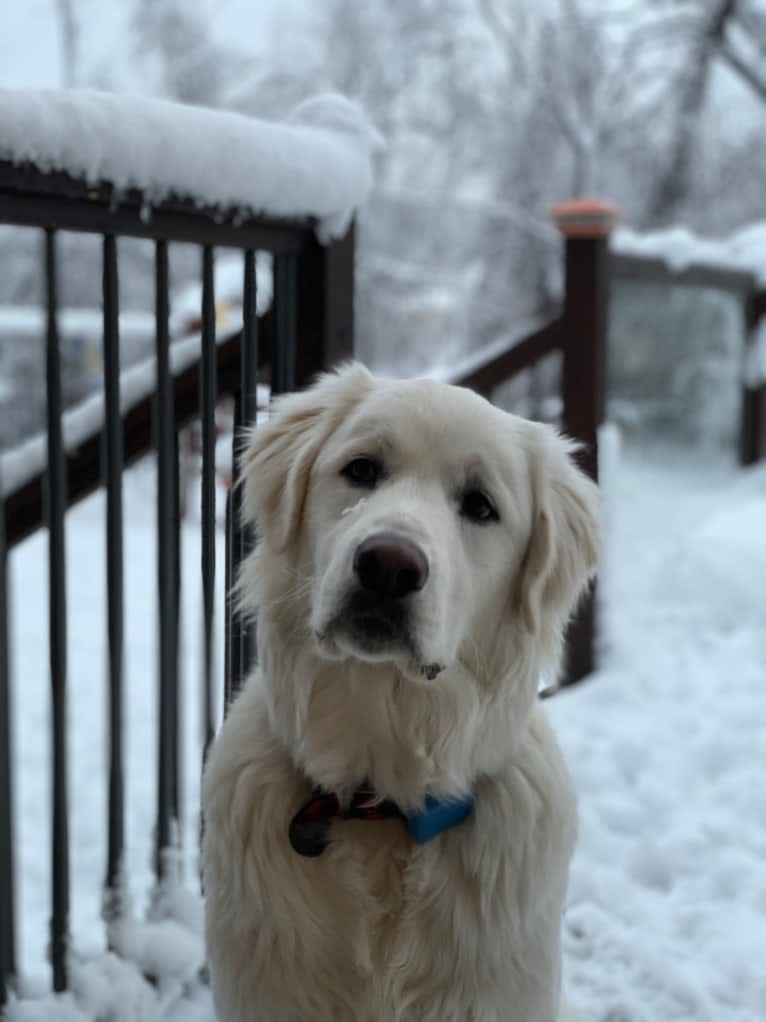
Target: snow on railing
(317,163)
(680,249)
(471,364)
(28,459)
(28,321)
(737,262)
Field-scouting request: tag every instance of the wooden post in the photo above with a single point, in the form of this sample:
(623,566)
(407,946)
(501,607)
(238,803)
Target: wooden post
(325,307)
(586,226)
(753,436)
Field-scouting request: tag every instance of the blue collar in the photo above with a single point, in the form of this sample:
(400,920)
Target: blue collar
(438,816)
(310,827)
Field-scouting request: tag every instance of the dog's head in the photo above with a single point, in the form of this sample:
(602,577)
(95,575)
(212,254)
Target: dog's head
(413,522)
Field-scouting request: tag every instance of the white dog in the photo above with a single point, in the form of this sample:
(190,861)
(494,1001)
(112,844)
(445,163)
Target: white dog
(420,553)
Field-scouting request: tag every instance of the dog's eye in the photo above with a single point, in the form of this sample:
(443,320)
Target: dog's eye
(363,471)
(477,507)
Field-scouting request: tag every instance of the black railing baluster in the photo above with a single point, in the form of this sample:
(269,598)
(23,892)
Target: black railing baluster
(240,644)
(325,301)
(286,334)
(112,464)
(249,394)
(208,388)
(229,657)
(7,886)
(176,798)
(242,636)
(237,664)
(56,506)
(166,564)
(248,417)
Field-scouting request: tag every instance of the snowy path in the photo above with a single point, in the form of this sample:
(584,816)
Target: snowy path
(667,906)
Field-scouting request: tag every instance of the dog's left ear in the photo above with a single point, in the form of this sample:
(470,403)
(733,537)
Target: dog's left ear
(564,545)
(280,453)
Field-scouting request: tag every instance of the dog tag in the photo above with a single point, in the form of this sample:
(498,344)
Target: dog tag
(309,828)
(309,837)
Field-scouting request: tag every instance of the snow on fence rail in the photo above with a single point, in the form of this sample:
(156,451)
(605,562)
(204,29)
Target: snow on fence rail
(743,252)
(86,419)
(318,163)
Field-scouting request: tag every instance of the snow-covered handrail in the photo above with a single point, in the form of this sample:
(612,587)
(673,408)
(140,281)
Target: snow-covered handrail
(736,264)
(22,467)
(497,362)
(317,163)
(739,259)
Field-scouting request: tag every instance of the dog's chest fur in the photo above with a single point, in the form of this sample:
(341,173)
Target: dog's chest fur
(378,927)
(373,865)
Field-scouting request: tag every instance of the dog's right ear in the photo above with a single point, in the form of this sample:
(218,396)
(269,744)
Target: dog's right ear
(564,545)
(280,453)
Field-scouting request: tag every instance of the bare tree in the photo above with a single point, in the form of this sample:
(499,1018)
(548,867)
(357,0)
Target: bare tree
(733,30)
(625,87)
(673,181)
(696,36)
(495,109)
(68,32)
(192,67)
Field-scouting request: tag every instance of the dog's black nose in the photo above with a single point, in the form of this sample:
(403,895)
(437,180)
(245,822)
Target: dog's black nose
(390,565)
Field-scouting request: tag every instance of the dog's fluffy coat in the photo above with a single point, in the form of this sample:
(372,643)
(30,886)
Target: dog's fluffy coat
(378,928)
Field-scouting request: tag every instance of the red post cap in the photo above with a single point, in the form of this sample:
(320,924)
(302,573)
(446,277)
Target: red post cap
(585,218)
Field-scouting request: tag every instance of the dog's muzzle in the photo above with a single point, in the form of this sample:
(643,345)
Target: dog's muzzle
(389,569)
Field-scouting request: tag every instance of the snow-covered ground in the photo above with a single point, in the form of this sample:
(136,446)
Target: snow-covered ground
(180,946)
(666,917)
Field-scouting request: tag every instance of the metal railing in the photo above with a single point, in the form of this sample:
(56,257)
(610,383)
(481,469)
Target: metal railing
(309,328)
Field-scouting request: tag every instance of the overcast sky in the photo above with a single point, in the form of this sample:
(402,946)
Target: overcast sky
(30,54)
